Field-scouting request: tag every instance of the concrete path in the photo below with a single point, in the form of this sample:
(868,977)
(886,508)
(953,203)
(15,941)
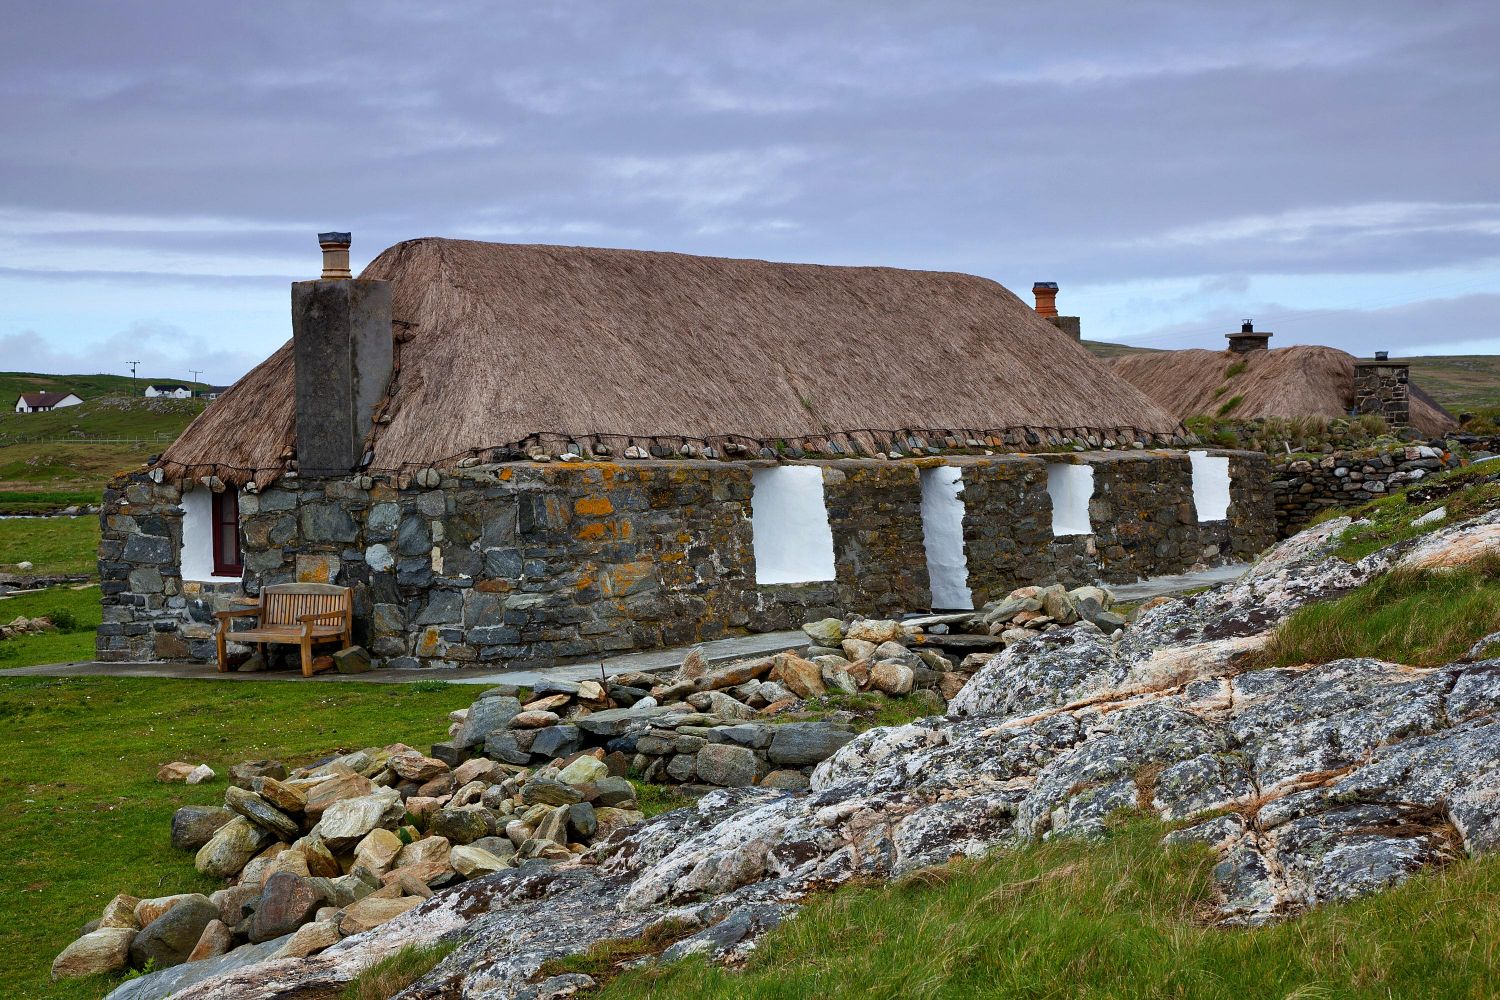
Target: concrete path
(718,651)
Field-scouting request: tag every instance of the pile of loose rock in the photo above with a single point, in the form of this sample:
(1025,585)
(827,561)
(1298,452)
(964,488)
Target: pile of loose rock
(339,847)
(22,625)
(750,722)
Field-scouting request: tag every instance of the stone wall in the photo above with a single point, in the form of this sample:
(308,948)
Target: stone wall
(546,562)
(1305,487)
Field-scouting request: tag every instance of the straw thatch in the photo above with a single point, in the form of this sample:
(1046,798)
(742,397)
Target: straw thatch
(501,347)
(1285,382)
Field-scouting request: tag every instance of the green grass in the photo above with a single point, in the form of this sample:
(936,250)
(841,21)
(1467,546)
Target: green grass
(44,501)
(1238,368)
(1118,918)
(872,708)
(395,973)
(1419,619)
(1463,492)
(1230,404)
(69,646)
(86,819)
(53,545)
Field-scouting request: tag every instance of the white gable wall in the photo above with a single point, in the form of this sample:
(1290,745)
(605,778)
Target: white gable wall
(793,541)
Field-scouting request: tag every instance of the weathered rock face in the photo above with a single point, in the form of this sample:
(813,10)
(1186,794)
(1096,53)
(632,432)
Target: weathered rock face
(1313,784)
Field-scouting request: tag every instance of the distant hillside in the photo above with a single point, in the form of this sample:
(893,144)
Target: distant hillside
(1105,349)
(1460,382)
(12,384)
(49,460)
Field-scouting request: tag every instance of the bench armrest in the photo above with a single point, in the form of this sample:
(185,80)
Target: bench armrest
(325,616)
(237,612)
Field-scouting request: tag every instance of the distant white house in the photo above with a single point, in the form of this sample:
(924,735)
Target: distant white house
(41,402)
(215,391)
(170,390)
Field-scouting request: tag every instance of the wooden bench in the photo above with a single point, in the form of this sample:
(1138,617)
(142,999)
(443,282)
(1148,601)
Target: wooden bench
(295,614)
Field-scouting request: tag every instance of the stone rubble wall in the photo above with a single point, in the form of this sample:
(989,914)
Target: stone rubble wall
(547,562)
(1305,487)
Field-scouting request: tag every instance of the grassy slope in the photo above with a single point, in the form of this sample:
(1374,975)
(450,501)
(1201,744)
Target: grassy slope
(1419,619)
(1459,382)
(1073,919)
(51,544)
(85,818)
(86,387)
(39,470)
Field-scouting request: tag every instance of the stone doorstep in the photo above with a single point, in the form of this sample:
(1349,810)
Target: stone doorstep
(715,651)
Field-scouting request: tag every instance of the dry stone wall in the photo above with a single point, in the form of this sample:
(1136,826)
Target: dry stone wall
(548,562)
(1305,487)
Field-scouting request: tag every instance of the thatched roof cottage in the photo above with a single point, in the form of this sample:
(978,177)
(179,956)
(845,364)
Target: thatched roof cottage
(536,452)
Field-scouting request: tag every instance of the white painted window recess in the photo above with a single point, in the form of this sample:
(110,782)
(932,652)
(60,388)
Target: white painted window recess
(1210,486)
(943,538)
(198,538)
(1070,487)
(793,541)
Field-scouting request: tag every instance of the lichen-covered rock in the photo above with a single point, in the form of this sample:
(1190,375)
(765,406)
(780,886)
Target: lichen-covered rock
(1312,784)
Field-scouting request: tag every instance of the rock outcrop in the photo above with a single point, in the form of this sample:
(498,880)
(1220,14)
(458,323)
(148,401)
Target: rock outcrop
(1313,784)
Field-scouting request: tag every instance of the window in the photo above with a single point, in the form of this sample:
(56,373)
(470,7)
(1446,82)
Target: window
(226,536)
(1070,487)
(1210,486)
(943,538)
(793,542)
(205,556)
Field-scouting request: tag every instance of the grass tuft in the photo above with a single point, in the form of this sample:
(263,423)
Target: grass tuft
(1419,619)
(1230,405)
(657,799)
(607,959)
(395,973)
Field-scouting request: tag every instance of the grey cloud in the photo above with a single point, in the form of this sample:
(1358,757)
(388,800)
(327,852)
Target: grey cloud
(1085,141)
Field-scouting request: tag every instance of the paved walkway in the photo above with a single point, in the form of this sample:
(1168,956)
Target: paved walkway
(1158,586)
(718,651)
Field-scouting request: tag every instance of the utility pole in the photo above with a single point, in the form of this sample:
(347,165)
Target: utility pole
(134,389)
(196,372)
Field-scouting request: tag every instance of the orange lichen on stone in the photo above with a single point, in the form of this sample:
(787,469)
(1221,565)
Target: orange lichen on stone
(316,567)
(593,506)
(589,532)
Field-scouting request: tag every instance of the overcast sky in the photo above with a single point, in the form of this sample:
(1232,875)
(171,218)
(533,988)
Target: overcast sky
(1330,169)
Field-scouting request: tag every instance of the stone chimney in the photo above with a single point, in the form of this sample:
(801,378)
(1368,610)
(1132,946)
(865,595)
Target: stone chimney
(1383,386)
(1247,339)
(341,340)
(1046,307)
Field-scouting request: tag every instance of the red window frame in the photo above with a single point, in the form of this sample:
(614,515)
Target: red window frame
(226,534)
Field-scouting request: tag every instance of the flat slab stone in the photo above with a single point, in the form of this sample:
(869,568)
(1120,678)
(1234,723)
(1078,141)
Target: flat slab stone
(159,985)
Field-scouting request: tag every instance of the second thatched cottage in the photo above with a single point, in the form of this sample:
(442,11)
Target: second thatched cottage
(535,453)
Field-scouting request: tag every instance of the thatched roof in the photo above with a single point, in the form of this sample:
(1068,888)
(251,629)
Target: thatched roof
(502,346)
(1285,382)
